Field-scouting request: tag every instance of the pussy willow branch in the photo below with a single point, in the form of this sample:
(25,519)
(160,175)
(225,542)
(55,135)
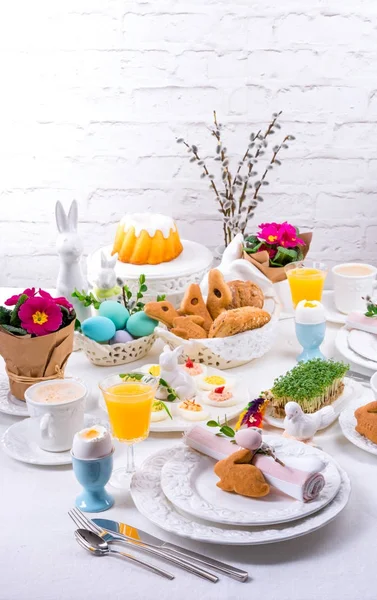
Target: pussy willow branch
(195,153)
(228,178)
(266,133)
(273,159)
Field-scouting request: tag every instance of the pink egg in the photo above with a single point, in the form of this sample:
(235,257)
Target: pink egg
(248,438)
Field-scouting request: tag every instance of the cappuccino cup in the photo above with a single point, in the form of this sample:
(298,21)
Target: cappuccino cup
(352,283)
(57,408)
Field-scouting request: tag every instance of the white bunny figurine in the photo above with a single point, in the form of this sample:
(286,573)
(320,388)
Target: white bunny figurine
(70,248)
(106,282)
(175,377)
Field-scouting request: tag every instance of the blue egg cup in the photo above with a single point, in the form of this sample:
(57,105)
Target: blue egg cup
(310,338)
(93,475)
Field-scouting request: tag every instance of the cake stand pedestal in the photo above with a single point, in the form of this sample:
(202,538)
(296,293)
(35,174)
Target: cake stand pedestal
(169,278)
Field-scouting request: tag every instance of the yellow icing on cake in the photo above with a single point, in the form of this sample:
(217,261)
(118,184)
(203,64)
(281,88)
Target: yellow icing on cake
(147,239)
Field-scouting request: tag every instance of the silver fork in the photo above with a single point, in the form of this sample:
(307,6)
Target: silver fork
(82,521)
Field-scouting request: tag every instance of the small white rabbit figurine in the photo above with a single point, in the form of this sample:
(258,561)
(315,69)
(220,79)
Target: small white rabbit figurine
(70,248)
(175,377)
(106,282)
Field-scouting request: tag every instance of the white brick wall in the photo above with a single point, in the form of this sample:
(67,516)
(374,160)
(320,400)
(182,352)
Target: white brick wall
(94,93)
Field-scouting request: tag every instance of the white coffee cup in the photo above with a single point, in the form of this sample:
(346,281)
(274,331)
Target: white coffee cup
(352,283)
(57,407)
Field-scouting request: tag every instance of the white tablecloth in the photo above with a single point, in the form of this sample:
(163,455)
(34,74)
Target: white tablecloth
(39,559)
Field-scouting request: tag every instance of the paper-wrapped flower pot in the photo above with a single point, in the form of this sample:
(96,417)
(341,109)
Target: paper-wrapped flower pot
(30,360)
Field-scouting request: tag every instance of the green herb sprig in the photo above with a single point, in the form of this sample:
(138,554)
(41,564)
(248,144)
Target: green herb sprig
(371,307)
(157,402)
(86,298)
(137,305)
(224,429)
(171,393)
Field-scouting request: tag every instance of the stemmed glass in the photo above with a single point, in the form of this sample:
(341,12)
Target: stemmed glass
(129,404)
(306,280)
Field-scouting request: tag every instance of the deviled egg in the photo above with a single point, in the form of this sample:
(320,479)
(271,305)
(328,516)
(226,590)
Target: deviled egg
(220,397)
(154,370)
(160,411)
(194,369)
(192,411)
(210,382)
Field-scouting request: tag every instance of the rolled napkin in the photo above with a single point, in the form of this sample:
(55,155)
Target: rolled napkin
(303,484)
(357,320)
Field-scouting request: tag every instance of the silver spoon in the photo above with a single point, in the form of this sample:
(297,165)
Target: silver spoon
(95,544)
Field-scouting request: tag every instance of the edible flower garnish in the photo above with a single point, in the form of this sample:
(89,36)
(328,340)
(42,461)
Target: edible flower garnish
(253,414)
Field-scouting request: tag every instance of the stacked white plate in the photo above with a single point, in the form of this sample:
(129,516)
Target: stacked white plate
(359,348)
(176,490)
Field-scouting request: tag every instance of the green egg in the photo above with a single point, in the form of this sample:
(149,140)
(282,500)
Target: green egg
(139,324)
(116,312)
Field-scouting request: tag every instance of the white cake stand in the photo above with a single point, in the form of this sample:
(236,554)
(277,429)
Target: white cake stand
(169,278)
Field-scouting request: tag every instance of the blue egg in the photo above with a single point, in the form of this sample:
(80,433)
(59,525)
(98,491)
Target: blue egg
(114,311)
(121,337)
(99,329)
(139,324)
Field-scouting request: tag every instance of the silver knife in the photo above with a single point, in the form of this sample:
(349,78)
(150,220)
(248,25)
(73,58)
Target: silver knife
(138,535)
(365,379)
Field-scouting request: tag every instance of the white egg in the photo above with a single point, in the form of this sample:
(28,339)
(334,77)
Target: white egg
(150,369)
(218,403)
(158,415)
(91,443)
(195,377)
(210,382)
(310,312)
(191,415)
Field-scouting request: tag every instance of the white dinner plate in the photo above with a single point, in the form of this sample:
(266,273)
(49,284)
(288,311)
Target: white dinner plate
(8,403)
(347,422)
(333,315)
(363,343)
(213,412)
(19,443)
(151,501)
(189,482)
(343,347)
(352,389)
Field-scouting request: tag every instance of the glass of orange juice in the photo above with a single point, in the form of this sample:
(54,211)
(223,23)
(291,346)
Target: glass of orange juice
(306,280)
(129,404)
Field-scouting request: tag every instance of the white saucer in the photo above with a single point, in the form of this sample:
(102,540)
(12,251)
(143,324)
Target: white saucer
(352,390)
(18,442)
(333,315)
(343,347)
(363,343)
(8,403)
(347,422)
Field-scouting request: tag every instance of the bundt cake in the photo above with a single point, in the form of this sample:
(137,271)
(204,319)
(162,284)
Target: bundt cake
(147,239)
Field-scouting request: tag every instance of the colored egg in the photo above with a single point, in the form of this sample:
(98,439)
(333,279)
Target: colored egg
(139,324)
(99,329)
(116,312)
(121,337)
(248,438)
